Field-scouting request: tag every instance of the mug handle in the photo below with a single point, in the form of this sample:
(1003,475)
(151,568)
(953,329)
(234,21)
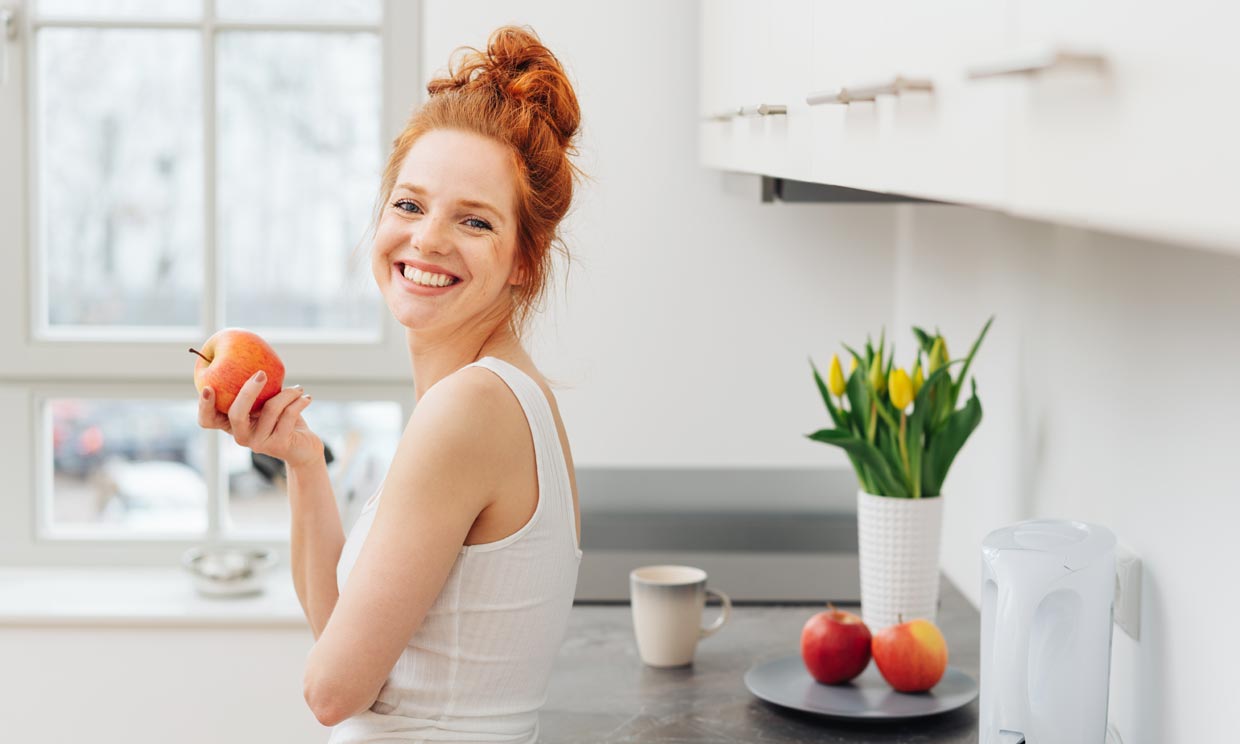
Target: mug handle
(726,611)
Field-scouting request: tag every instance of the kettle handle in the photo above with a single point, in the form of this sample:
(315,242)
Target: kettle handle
(1013,626)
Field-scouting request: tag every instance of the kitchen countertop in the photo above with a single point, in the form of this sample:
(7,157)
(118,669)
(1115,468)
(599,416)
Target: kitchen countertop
(601,692)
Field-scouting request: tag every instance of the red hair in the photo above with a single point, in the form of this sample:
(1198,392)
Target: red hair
(515,92)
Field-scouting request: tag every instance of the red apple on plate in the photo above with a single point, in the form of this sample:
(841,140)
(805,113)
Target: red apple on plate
(231,357)
(911,656)
(835,646)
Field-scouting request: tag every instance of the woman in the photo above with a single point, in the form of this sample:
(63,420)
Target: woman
(438,618)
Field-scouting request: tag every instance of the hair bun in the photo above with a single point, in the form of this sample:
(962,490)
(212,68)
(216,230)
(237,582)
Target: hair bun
(516,65)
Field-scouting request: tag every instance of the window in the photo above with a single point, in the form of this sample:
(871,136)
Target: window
(169,168)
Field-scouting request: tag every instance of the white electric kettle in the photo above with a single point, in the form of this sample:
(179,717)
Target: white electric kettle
(1048,590)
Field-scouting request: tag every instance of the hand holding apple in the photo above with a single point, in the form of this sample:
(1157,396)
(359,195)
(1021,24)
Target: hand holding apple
(268,423)
(229,358)
(835,646)
(911,656)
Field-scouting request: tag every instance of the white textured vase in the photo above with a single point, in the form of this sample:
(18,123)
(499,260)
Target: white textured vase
(899,550)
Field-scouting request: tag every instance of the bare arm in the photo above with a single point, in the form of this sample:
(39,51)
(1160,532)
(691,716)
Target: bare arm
(279,430)
(316,541)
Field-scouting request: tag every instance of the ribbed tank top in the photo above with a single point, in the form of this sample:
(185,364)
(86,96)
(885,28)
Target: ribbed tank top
(478,667)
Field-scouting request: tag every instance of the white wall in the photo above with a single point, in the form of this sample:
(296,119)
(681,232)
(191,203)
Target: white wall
(684,332)
(1109,396)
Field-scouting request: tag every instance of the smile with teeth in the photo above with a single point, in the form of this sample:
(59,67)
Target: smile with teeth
(427,279)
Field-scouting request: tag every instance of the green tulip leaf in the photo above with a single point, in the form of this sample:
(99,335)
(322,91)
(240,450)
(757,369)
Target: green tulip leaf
(855,355)
(890,449)
(887,413)
(946,443)
(923,338)
(859,401)
(884,479)
(968,362)
(914,438)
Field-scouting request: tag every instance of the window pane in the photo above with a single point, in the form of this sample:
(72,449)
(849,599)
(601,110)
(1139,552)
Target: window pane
(121,8)
(120,176)
(298,132)
(127,466)
(362,436)
(353,11)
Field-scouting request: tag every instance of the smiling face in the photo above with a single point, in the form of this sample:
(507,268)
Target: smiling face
(452,211)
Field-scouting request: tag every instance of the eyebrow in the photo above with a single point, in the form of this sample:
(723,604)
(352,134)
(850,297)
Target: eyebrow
(463,202)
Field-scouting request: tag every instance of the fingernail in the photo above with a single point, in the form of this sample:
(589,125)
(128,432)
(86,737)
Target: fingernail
(261,376)
(297,386)
(206,393)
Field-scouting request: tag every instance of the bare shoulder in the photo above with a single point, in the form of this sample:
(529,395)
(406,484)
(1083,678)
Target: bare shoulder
(468,396)
(472,419)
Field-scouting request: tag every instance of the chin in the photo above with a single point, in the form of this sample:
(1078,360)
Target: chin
(411,318)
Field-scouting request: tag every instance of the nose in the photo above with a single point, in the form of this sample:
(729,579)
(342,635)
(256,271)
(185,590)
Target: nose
(431,235)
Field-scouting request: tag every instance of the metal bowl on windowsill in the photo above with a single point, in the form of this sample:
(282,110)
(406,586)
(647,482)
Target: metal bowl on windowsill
(228,572)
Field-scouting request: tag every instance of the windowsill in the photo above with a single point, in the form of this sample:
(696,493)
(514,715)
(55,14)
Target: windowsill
(137,597)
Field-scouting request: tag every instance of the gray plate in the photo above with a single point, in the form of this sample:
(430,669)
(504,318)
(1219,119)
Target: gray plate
(786,681)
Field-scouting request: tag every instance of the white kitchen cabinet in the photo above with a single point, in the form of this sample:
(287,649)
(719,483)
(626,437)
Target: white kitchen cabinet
(150,685)
(1147,141)
(754,55)
(947,143)
(135,655)
(1144,144)
(846,50)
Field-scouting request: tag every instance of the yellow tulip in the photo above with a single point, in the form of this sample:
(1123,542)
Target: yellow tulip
(938,355)
(835,377)
(852,365)
(901,388)
(918,379)
(877,380)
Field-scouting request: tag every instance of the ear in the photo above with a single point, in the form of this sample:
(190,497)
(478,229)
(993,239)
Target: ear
(517,276)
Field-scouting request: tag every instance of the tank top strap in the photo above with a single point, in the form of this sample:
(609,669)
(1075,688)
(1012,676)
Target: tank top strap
(553,477)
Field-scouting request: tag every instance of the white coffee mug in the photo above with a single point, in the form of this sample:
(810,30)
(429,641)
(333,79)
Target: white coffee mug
(667,606)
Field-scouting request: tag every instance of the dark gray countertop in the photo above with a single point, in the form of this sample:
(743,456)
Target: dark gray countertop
(601,692)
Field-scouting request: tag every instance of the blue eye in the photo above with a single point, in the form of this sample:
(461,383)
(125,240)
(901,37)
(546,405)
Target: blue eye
(409,207)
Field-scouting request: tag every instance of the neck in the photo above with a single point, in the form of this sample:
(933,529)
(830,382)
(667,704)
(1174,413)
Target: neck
(435,358)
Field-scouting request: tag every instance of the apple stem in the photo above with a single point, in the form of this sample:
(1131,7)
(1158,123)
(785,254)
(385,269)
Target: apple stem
(831,606)
(199,353)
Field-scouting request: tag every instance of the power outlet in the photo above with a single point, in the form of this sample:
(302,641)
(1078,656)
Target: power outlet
(1128,592)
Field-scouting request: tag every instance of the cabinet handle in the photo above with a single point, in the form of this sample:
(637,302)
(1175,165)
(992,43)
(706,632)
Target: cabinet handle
(1032,64)
(762,109)
(870,91)
(724,115)
(834,95)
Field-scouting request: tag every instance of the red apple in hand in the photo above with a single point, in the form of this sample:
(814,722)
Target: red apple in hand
(835,646)
(912,656)
(231,357)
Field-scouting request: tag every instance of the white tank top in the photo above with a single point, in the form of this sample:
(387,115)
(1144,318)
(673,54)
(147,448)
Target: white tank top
(477,669)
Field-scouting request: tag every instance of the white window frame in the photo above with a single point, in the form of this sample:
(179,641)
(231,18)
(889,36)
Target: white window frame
(36,365)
